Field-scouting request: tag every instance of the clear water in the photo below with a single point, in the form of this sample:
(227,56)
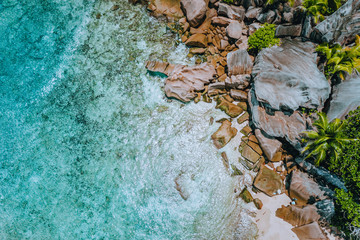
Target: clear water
(89,146)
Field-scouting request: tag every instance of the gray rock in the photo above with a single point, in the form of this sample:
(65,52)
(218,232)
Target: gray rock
(249,3)
(239,62)
(287,77)
(326,209)
(288,30)
(184,81)
(231,11)
(288,17)
(278,124)
(345,97)
(253,27)
(195,11)
(238,81)
(267,17)
(306,27)
(238,95)
(341,26)
(253,13)
(234,30)
(270,146)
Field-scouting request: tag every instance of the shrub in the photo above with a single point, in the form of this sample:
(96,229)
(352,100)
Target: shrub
(228,1)
(349,207)
(321,8)
(340,60)
(262,38)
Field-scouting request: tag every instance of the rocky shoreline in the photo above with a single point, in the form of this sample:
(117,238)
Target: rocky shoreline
(264,94)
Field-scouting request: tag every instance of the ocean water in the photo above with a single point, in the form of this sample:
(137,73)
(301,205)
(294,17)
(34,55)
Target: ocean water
(89,146)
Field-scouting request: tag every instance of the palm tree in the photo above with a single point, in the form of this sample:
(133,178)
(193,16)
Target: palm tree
(327,141)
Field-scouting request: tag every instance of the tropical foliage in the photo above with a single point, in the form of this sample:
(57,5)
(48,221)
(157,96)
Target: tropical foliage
(262,38)
(349,207)
(229,1)
(327,141)
(340,60)
(321,8)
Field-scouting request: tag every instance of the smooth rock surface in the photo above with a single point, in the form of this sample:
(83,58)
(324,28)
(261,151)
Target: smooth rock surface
(197,40)
(268,181)
(309,231)
(239,62)
(221,21)
(341,26)
(288,30)
(224,134)
(298,216)
(183,82)
(287,77)
(234,30)
(304,188)
(345,97)
(270,146)
(195,11)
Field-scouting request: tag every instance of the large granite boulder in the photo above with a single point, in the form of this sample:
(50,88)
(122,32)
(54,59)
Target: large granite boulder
(184,81)
(270,146)
(168,8)
(269,182)
(287,77)
(239,62)
(345,97)
(277,124)
(342,26)
(298,216)
(310,231)
(304,189)
(224,134)
(195,11)
(231,11)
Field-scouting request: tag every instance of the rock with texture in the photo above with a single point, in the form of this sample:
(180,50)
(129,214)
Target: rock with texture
(342,26)
(197,40)
(246,195)
(161,67)
(298,216)
(224,134)
(169,8)
(221,21)
(238,81)
(304,188)
(309,231)
(270,146)
(229,108)
(258,203)
(238,95)
(249,154)
(345,97)
(195,11)
(268,181)
(231,11)
(234,30)
(239,62)
(253,13)
(288,30)
(287,77)
(184,81)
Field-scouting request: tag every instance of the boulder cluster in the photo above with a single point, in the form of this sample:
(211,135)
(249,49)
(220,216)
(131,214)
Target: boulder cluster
(263,93)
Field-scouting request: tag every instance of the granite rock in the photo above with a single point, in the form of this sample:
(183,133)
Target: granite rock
(195,11)
(224,134)
(239,62)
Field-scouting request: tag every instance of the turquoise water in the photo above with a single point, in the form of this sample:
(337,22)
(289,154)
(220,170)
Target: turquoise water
(90,148)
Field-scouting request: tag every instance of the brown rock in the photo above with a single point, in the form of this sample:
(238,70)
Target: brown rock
(288,30)
(161,67)
(224,134)
(184,81)
(229,108)
(168,8)
(228,98)
(298,216)
(195,11)
(249,154)
(220,70)
(270,145)
(220,21)
(238,94)
(279,168)
(222,78)
(243,105)
(258,203)
(253,139)
(309,231)
(246,195)
(211,49)
(268,181)
(256,147)
(277,157)
(197,50)
(239,62)
(243,118)
(246,130)
(303,188)
(184,38)
(225,159)
(197,40)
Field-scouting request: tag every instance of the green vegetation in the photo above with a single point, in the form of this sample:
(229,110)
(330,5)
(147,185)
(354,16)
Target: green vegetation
(327,141)
(340,60)
(229,1)
(262,38)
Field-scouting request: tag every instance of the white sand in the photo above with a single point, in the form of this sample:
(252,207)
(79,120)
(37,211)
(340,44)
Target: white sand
(271,227)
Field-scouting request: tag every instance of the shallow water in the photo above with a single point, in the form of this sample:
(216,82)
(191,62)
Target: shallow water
(90,146)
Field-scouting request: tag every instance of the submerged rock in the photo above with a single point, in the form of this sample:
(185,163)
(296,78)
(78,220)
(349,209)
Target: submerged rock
(195,11)
(342,26)
(345,97)
(224,134)
(184,81)
(287,77)
(269,182)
